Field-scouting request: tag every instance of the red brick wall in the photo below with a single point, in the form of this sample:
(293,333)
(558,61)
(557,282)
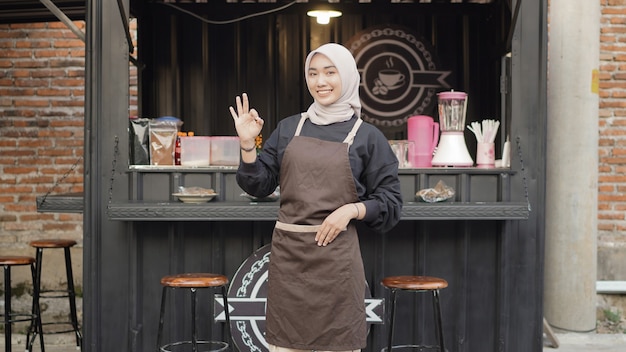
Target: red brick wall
(42,92)
(612,125)
(41,130)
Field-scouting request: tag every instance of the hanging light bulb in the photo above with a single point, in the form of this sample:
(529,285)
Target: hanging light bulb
(323,16)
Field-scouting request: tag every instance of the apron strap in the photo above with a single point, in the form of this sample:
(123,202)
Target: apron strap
(303,118)
(349,138)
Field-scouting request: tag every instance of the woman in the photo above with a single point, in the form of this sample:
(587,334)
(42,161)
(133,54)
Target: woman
(332,168)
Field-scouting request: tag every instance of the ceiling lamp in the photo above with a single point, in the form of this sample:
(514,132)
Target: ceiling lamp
(323,16)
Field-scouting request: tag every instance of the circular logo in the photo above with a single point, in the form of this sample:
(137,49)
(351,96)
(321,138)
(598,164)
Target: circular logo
(399,74)
(247,295)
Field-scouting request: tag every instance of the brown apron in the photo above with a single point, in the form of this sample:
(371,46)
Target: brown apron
(316,294)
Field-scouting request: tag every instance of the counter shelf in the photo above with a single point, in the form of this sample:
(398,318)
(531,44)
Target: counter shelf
(481,194)
(242,211)
(60,203)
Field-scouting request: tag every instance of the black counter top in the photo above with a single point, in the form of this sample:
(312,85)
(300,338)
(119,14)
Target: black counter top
(482,194)
(266,211)
(243,211)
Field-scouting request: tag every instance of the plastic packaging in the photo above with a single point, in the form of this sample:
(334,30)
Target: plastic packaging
(138,132)
(441,192)
(163,132)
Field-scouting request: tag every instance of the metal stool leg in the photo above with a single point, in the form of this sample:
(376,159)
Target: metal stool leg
(439,328)
(36,327)
(194,337)
(72,297)
(161,319)
(391,319)
(7,308)
(229,336)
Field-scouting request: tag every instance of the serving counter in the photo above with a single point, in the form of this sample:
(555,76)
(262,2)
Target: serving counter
(481,194)
(470,240)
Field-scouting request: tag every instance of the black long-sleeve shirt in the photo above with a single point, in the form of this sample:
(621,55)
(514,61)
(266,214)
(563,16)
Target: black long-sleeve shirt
(373,163)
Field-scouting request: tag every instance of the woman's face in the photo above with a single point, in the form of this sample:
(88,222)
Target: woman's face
(323,80)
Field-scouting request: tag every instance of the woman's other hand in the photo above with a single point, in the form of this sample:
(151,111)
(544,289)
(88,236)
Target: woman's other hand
(247,121)
(334,223)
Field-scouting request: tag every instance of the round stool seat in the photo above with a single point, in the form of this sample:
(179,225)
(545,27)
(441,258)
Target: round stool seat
(194,280)
(52,243)
(16,260)
(415,283)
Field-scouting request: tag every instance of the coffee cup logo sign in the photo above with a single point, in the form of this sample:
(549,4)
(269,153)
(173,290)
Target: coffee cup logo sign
(400,76)
(247,296)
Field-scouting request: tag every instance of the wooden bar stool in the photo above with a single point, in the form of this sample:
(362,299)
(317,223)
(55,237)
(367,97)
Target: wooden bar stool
(69,293)
(194,281)
(416,284)
(11,317)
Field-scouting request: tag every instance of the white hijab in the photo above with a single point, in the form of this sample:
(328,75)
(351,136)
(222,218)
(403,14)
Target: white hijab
(348,103)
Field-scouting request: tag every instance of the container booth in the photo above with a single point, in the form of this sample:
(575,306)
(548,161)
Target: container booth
(194,57)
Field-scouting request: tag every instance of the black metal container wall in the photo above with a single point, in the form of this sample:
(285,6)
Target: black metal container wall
(193,70)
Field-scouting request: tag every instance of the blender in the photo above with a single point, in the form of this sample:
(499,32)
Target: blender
(452,150)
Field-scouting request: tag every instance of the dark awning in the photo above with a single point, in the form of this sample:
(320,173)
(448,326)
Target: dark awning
(27,11)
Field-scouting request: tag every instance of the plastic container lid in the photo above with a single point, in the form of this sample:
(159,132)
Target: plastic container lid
(167,118)
(452,95)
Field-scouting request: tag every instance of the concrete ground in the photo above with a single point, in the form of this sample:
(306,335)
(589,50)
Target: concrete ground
(568,342)
(54,343)
(588,342)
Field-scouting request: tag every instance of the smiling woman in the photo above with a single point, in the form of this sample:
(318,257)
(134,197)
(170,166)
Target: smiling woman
(334,170)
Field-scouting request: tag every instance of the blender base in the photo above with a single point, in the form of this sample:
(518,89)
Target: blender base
(452,151)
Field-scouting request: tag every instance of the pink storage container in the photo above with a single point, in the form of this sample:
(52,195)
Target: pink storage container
(224,151)
(195,151)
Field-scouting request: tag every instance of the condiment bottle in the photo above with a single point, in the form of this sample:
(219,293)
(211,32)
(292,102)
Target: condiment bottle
(177,148)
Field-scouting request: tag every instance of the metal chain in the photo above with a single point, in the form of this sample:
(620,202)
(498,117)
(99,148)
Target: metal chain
(246,338)
(56,184)
(521,160)
(116,152)
(247,278)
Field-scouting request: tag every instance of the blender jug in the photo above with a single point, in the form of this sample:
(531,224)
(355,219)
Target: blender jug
(452,150)
(452,108)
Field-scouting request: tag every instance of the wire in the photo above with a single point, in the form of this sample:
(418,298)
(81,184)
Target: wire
(233,20)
